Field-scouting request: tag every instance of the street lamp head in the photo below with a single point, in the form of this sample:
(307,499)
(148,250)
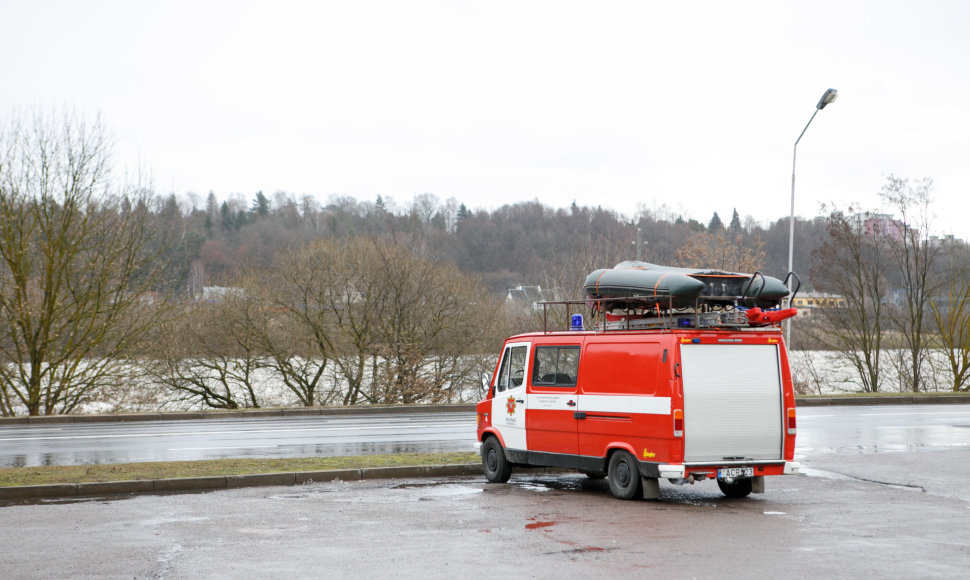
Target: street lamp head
(827,98)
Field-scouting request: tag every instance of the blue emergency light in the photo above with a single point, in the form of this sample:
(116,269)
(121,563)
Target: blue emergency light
(576,322)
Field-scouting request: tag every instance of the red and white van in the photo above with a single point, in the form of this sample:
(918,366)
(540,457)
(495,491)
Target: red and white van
(638,406)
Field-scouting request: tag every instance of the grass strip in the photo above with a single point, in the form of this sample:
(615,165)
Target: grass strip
(175,469)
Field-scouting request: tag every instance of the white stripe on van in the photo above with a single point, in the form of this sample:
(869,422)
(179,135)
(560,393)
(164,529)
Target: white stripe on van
(624,404)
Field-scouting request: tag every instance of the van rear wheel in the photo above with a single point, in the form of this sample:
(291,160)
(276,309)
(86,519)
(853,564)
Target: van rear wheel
(624,476)
(497,468)
(735,487)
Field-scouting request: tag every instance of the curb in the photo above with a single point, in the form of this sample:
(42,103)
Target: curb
(246,414)
(884,400)
(67,490)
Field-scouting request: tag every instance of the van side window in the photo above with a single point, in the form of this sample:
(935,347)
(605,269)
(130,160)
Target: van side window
(513,368)
(556,366)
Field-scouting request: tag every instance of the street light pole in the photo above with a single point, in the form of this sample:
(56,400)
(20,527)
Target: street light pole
(828,97)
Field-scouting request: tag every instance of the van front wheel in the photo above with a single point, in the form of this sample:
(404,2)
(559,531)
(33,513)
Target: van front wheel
(497,468)
(624,476)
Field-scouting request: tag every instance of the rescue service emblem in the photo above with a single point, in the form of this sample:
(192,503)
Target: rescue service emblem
(510,405)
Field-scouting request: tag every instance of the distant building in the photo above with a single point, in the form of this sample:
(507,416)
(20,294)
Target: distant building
(946,240)
(219,294)
(884,225)
(809,302)
(530,296)
(149,298)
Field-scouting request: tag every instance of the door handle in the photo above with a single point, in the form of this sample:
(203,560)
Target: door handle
(571,403)
(520,400)
(579,415)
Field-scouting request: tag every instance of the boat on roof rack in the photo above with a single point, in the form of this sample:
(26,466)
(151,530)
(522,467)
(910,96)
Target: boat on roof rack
(684,287)
(639,295)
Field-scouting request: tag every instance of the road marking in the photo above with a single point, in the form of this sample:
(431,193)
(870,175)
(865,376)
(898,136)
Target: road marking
(233,432)
(227,447)
(935,414)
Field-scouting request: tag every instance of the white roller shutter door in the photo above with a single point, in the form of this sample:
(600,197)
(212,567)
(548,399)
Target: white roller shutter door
(732,402)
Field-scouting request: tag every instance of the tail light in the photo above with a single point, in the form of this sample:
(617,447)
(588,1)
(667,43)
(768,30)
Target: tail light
(678,423)
(791,421)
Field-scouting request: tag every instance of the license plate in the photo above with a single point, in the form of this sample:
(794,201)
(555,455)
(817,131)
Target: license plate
(733,472)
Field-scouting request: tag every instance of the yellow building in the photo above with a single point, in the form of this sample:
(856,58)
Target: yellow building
(807,302)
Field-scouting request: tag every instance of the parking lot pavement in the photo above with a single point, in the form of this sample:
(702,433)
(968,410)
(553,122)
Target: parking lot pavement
(831,524)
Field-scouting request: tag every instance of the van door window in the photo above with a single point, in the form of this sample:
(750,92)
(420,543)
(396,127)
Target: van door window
(513,368)
(556,366)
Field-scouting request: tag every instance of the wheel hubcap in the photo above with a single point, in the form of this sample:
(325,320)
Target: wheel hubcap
(491,461)
(623,474)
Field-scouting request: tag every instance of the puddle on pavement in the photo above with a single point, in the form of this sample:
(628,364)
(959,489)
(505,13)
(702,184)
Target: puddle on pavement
(544,484)
(810,472)
(291,496)
(685,495)
(180,520)
(104,499)
(437,489)
(401,492)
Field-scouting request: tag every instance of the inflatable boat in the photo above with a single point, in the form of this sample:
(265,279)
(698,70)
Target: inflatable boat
(668,286)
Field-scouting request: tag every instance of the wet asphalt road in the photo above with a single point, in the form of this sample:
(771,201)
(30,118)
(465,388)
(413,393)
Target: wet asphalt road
(265,437)
(870,429)
(884,497)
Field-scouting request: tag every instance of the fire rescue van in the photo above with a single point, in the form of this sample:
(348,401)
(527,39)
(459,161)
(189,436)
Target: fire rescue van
(646,395)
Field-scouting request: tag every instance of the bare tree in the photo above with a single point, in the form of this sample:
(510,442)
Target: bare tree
(393,327)
(433,319)
(210,354)
(300,338)
(357,303)
(851,263)
(722,250)
(951,313)
(913,257)
(76,269)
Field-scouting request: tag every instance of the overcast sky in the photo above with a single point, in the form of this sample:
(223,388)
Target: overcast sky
(693,105)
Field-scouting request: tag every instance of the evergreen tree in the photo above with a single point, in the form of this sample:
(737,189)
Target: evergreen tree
(716,224)
(735,227)
(211,205)
(260,207)
(225,216)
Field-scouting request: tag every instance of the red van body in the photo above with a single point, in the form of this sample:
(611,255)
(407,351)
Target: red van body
(643,405)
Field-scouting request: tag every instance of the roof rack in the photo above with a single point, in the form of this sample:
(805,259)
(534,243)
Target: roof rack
(653,313)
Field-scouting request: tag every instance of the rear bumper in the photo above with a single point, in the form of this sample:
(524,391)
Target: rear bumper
(682,470)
